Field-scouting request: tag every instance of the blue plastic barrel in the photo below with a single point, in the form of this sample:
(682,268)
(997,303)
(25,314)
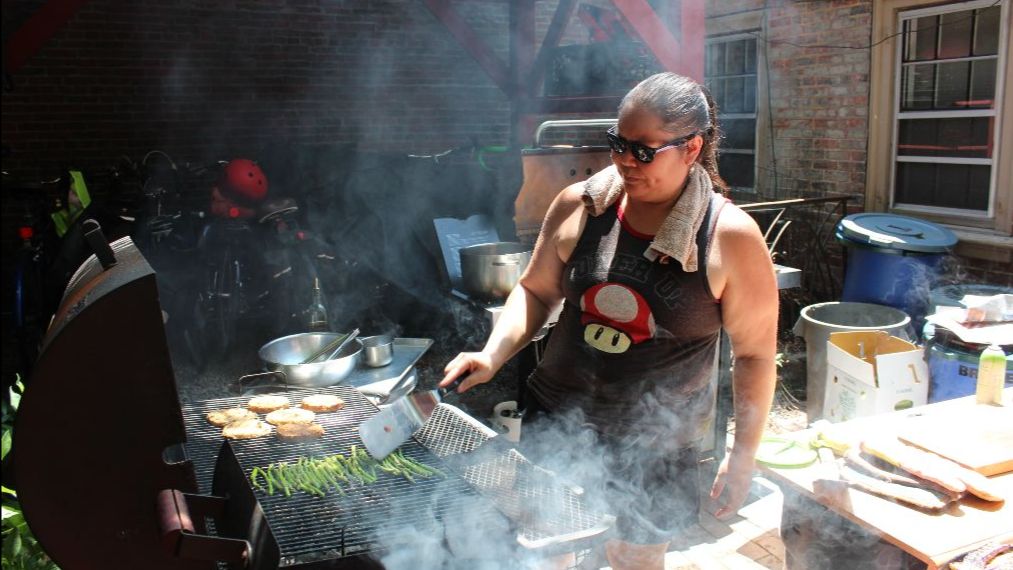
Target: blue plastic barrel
(953,364)
(892,260)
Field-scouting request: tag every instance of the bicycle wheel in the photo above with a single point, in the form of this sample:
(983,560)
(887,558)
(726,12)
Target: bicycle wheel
(228,297)
(30,316)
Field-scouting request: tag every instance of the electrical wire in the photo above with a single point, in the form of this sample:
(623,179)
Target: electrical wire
(864,47)
(770,106)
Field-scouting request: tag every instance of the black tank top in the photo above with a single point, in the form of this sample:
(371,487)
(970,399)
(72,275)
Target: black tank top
(634,349)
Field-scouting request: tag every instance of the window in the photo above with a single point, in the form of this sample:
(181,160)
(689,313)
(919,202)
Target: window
(941,119)
(946,109)
(730,75)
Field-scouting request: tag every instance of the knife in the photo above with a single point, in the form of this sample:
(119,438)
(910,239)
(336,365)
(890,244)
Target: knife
(392,426)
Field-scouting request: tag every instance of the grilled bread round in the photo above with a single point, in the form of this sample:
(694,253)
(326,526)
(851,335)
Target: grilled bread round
(290,416)
(322,403)
(267,404)
(222,418)
(300,432)
(246,429)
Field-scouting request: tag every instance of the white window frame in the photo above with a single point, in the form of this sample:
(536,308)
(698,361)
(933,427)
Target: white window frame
(981,237)
(996,113)
(755,115)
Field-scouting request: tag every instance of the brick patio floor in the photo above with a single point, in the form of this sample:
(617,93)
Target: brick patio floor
(749,540)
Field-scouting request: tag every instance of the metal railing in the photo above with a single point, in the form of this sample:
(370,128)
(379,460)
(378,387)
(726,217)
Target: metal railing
(800,233)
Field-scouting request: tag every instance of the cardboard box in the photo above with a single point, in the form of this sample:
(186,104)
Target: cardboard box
(872,372)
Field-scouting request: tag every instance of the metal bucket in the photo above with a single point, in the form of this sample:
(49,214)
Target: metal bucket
(817,322)
(491,270)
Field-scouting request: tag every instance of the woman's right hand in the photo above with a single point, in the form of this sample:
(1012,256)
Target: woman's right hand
(477,366)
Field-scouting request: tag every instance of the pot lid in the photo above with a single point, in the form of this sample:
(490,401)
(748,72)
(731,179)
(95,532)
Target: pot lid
(893,231)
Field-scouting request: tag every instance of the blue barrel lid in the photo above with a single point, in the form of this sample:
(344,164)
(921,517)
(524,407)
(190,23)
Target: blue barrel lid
(892,231)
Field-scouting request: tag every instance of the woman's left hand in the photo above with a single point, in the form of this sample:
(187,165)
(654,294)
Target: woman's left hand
(731,484)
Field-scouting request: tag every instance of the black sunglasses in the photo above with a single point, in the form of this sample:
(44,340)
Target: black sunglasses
(642,152)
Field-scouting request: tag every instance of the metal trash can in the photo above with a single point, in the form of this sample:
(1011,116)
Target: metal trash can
(892,260)
(815,324)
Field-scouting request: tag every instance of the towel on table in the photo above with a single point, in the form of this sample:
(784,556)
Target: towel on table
(676,238)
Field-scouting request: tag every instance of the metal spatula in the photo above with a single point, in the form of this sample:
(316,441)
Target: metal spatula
(392,426)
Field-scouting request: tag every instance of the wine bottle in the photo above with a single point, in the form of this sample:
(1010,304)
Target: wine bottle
(317,311)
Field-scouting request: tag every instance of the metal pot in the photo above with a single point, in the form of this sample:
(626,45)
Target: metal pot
(285,356)
(491,270)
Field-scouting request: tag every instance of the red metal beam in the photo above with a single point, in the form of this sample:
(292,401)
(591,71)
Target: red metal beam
(684,57)
(522,38)
(693,29)
(564,11)
(31,36)
(474,45)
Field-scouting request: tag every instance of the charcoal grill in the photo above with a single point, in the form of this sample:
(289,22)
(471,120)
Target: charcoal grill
(106,481)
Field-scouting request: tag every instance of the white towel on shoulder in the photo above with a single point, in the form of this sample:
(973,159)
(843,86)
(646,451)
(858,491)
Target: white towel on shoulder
(676,238)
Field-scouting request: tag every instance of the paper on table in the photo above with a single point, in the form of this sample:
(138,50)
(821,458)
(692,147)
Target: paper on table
(994,308)
(978,333)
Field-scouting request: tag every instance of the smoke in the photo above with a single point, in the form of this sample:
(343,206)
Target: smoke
(569,478)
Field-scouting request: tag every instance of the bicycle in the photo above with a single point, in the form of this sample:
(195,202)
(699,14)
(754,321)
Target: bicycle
(253,257)
(52,246)
(29,306)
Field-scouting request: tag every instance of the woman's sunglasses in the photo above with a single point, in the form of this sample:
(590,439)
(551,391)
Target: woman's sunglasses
(642,152)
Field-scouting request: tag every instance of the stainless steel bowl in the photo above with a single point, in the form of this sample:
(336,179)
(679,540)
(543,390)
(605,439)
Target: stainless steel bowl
(287,353)
(490,271)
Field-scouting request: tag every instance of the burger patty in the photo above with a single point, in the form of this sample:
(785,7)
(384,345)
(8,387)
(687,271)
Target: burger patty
(246,429)
(222,418)
(290,416)
(300,432)
(267,404)
(322,403)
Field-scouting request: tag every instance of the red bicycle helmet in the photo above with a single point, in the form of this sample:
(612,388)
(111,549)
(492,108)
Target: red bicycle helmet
(244,181)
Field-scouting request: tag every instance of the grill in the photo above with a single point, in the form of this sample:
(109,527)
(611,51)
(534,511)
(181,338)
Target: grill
(307,528)
(144,493)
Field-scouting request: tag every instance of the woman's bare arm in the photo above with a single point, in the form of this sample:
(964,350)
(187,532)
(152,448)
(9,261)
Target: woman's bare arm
(532,300)
(749,301)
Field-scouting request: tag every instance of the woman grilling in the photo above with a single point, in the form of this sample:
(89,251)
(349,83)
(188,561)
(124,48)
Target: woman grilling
(652,262)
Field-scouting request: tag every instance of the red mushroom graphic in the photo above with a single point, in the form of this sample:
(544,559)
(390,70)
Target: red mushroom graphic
(615,317)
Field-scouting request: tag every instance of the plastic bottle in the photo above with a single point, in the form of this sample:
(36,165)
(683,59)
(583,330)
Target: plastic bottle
(317,311)
(991,375)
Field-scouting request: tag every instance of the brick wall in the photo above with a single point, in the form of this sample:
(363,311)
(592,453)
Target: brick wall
(213,80)
(819,97)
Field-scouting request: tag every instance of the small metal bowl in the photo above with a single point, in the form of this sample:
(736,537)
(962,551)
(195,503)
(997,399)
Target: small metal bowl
(377,350)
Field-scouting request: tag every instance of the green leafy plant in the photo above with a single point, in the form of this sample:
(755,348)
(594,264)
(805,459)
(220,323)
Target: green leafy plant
(20,549)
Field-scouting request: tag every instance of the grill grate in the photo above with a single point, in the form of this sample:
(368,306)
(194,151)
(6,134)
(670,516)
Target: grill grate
(309,527)
(544,510)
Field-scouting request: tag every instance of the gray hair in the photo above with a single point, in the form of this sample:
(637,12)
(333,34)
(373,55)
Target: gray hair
(684,107)
(679,102)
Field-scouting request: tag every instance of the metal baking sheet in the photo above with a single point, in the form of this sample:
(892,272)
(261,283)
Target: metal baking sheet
(407,352)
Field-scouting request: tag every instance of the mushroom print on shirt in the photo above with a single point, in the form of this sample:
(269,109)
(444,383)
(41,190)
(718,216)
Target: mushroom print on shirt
(636,339)
(615,317)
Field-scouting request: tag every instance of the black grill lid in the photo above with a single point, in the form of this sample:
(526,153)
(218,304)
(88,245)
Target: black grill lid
(98,413)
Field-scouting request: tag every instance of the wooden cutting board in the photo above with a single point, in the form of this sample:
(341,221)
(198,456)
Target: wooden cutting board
(979,437)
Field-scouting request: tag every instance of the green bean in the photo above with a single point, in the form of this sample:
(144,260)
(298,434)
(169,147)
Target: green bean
(270,479)
(253,478)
